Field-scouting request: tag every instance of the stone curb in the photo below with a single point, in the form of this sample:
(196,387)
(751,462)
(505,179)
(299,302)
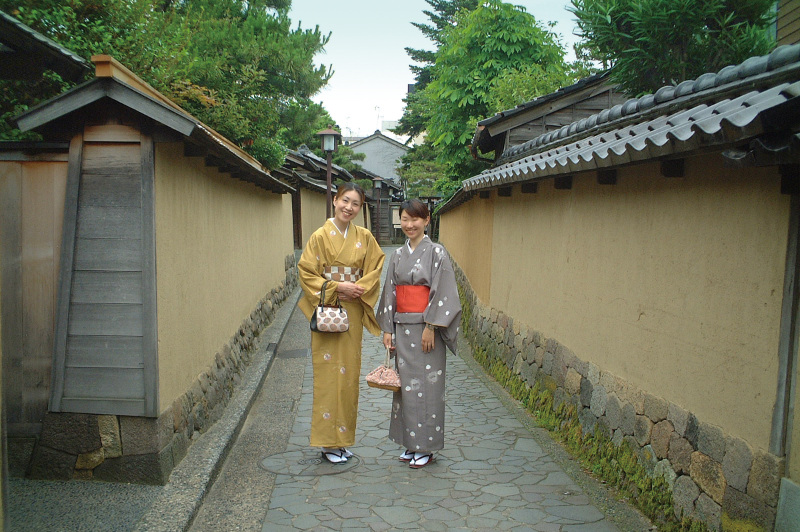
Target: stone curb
(179,501)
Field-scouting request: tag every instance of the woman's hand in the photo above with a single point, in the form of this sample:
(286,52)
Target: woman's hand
(387,341)
(349,291)
(428,337)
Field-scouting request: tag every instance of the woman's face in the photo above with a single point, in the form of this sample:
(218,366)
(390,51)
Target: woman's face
(413,227)
(347,205)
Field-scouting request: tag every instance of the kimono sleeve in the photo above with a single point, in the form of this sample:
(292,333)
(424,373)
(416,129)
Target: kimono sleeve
(388,303)
(444,306)
(309,271)
(372,268)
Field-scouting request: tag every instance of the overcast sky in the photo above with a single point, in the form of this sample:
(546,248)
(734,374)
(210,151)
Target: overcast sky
(367,52)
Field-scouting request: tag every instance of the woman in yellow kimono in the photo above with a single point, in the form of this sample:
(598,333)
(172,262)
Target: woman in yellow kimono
(349,257)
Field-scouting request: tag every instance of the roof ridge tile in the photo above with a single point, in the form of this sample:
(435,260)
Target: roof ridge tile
(780,57)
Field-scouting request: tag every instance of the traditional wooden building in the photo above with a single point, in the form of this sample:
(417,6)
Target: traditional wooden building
(383,200)
(787,25)
(382,154)
(497,134)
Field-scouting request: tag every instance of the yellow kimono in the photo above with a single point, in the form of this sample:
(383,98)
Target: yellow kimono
(336,357)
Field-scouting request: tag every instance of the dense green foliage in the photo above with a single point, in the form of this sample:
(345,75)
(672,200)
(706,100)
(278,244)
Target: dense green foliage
(237,65)
(652,43)
(87,28)
(495,42)
(443,15)
(420,172)
(489,57)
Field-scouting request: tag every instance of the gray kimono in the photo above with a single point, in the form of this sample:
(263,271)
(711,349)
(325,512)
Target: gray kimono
(417,418)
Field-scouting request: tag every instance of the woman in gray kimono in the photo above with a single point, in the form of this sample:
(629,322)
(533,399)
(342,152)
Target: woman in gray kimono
(421,311)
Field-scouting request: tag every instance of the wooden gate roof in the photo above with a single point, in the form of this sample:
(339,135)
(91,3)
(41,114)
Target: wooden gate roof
(116,83)
(26,53)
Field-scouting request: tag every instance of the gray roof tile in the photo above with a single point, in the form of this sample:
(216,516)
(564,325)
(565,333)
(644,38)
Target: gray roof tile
(712,110)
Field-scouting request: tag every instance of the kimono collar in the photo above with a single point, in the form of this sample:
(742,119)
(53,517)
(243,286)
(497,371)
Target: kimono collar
(337,227)
(408,243)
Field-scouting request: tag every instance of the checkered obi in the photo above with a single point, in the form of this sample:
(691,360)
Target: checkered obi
(342,273)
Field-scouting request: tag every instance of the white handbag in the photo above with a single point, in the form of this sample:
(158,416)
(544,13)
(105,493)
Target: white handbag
(329,318)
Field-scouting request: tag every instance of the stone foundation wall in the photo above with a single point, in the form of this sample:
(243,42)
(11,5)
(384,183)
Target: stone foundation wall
(145,450)
(714,477)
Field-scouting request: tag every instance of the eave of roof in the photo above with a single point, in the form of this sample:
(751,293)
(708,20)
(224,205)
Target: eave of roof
(27,42)
(315,163)
(504,120)
(371,175)
(313,184)
(541,100)
(148,102)
(717,111)
(714,110)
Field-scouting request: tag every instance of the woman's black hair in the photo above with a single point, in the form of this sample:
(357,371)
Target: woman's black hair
(347,186)
(414,208)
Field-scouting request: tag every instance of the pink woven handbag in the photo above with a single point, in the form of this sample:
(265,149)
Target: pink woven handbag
(384,376)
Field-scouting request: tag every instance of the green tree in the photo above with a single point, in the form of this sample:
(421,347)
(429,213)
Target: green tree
(420,171)
(255,72)
(121,29)
(483,47)
(413,121)
(519,85)
(442,16)
(302,120)
(237,65)
(652,43)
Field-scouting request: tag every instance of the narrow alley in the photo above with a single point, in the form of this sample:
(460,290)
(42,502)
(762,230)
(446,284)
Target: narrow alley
(498,471)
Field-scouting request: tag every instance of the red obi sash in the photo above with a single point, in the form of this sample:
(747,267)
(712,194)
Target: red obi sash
(412,298)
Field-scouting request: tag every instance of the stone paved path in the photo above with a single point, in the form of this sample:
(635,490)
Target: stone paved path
(497,471)
(492,475)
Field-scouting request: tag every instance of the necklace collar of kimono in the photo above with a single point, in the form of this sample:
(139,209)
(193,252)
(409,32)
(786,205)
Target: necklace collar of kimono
(408,243)
(343,233)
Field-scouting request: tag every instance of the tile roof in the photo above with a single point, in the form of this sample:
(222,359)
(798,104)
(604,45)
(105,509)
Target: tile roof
(378,135)
(317,163)
(713,110)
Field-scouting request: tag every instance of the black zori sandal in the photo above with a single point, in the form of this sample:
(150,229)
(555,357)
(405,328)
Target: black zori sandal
(345,452)
(334,456)
(407,456)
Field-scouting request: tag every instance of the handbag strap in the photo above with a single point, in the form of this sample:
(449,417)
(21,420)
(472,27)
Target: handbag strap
(388,358)
(322,296)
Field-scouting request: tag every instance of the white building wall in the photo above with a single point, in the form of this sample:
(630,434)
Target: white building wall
(382,157)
